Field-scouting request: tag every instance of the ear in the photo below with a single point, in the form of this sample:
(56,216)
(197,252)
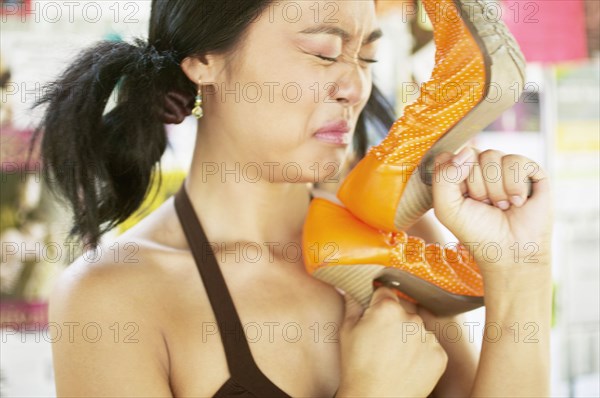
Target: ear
(204,68)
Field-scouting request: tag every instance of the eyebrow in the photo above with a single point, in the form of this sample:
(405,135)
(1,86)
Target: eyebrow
(337,31)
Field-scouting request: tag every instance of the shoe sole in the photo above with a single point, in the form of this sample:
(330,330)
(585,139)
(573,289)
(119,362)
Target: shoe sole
(357,269)
(360,280)
(504,68)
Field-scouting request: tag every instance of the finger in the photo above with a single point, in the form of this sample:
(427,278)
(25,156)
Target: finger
(540,189)
(430,324)
(449,173)
(491,167)
(383,293)
(410,308)
(475,183)
(464,189)
(386,293)
(516,185)
(352,310)
(433,322)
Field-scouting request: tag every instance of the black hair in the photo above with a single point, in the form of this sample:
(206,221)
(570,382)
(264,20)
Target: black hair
(103,161)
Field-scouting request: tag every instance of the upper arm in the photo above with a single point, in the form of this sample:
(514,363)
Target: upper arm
(103,342)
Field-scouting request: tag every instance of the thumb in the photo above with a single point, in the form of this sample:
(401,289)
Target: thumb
(449,173)
(352,309)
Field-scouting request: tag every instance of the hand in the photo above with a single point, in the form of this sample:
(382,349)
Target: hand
(455,337)
(386,351)
(506,231)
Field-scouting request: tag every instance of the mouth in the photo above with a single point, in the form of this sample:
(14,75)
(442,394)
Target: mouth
(336,132)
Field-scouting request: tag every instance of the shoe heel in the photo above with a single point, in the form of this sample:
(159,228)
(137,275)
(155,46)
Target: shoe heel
(343,251)
(483,64)
(505,79)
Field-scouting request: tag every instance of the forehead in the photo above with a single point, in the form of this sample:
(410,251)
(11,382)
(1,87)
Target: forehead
(352,19)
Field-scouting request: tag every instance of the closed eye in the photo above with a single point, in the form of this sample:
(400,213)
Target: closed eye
(370,61)
(326,58)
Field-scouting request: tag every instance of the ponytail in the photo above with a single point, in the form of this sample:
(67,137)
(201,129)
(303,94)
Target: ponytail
(110,156)
(103,160)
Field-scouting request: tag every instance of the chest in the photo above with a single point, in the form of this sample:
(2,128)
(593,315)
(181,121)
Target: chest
(289,320)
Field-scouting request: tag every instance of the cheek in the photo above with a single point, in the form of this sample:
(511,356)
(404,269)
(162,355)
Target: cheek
(287,78)
(276,106)
(270,129)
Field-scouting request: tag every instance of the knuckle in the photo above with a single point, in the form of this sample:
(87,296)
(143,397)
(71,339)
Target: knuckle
(539,167)
(510,160)
(478,193)
(442,357)
(490,153)
(492,176)
(386,307)
(415,318)
(436,347)
(387,304)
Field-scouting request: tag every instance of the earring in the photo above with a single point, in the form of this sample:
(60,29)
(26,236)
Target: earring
(197,111)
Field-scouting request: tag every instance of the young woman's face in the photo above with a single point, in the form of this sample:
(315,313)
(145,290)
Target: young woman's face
(277,92)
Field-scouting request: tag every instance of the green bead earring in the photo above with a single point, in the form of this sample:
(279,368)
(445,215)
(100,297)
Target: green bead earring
(197,111)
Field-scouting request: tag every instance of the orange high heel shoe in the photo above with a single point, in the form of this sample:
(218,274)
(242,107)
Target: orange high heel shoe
(362,245)
(478,66)
(342,250)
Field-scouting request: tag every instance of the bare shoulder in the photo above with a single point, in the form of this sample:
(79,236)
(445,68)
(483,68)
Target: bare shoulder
(105,312)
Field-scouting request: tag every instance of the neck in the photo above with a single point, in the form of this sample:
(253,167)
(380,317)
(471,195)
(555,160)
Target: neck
(235,208)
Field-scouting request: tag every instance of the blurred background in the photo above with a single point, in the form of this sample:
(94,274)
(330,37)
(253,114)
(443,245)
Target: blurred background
(555,121)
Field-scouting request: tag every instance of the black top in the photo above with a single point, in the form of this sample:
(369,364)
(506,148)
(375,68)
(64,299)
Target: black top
(246,380)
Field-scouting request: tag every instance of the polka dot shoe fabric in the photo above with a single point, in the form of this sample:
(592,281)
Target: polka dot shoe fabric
(342,250)
(478,67)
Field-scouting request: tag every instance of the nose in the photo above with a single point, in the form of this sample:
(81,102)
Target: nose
(353,84)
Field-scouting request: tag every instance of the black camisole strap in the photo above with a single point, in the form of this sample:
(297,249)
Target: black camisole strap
(240,362)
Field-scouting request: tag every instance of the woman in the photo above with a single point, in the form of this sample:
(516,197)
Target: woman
(140,322)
